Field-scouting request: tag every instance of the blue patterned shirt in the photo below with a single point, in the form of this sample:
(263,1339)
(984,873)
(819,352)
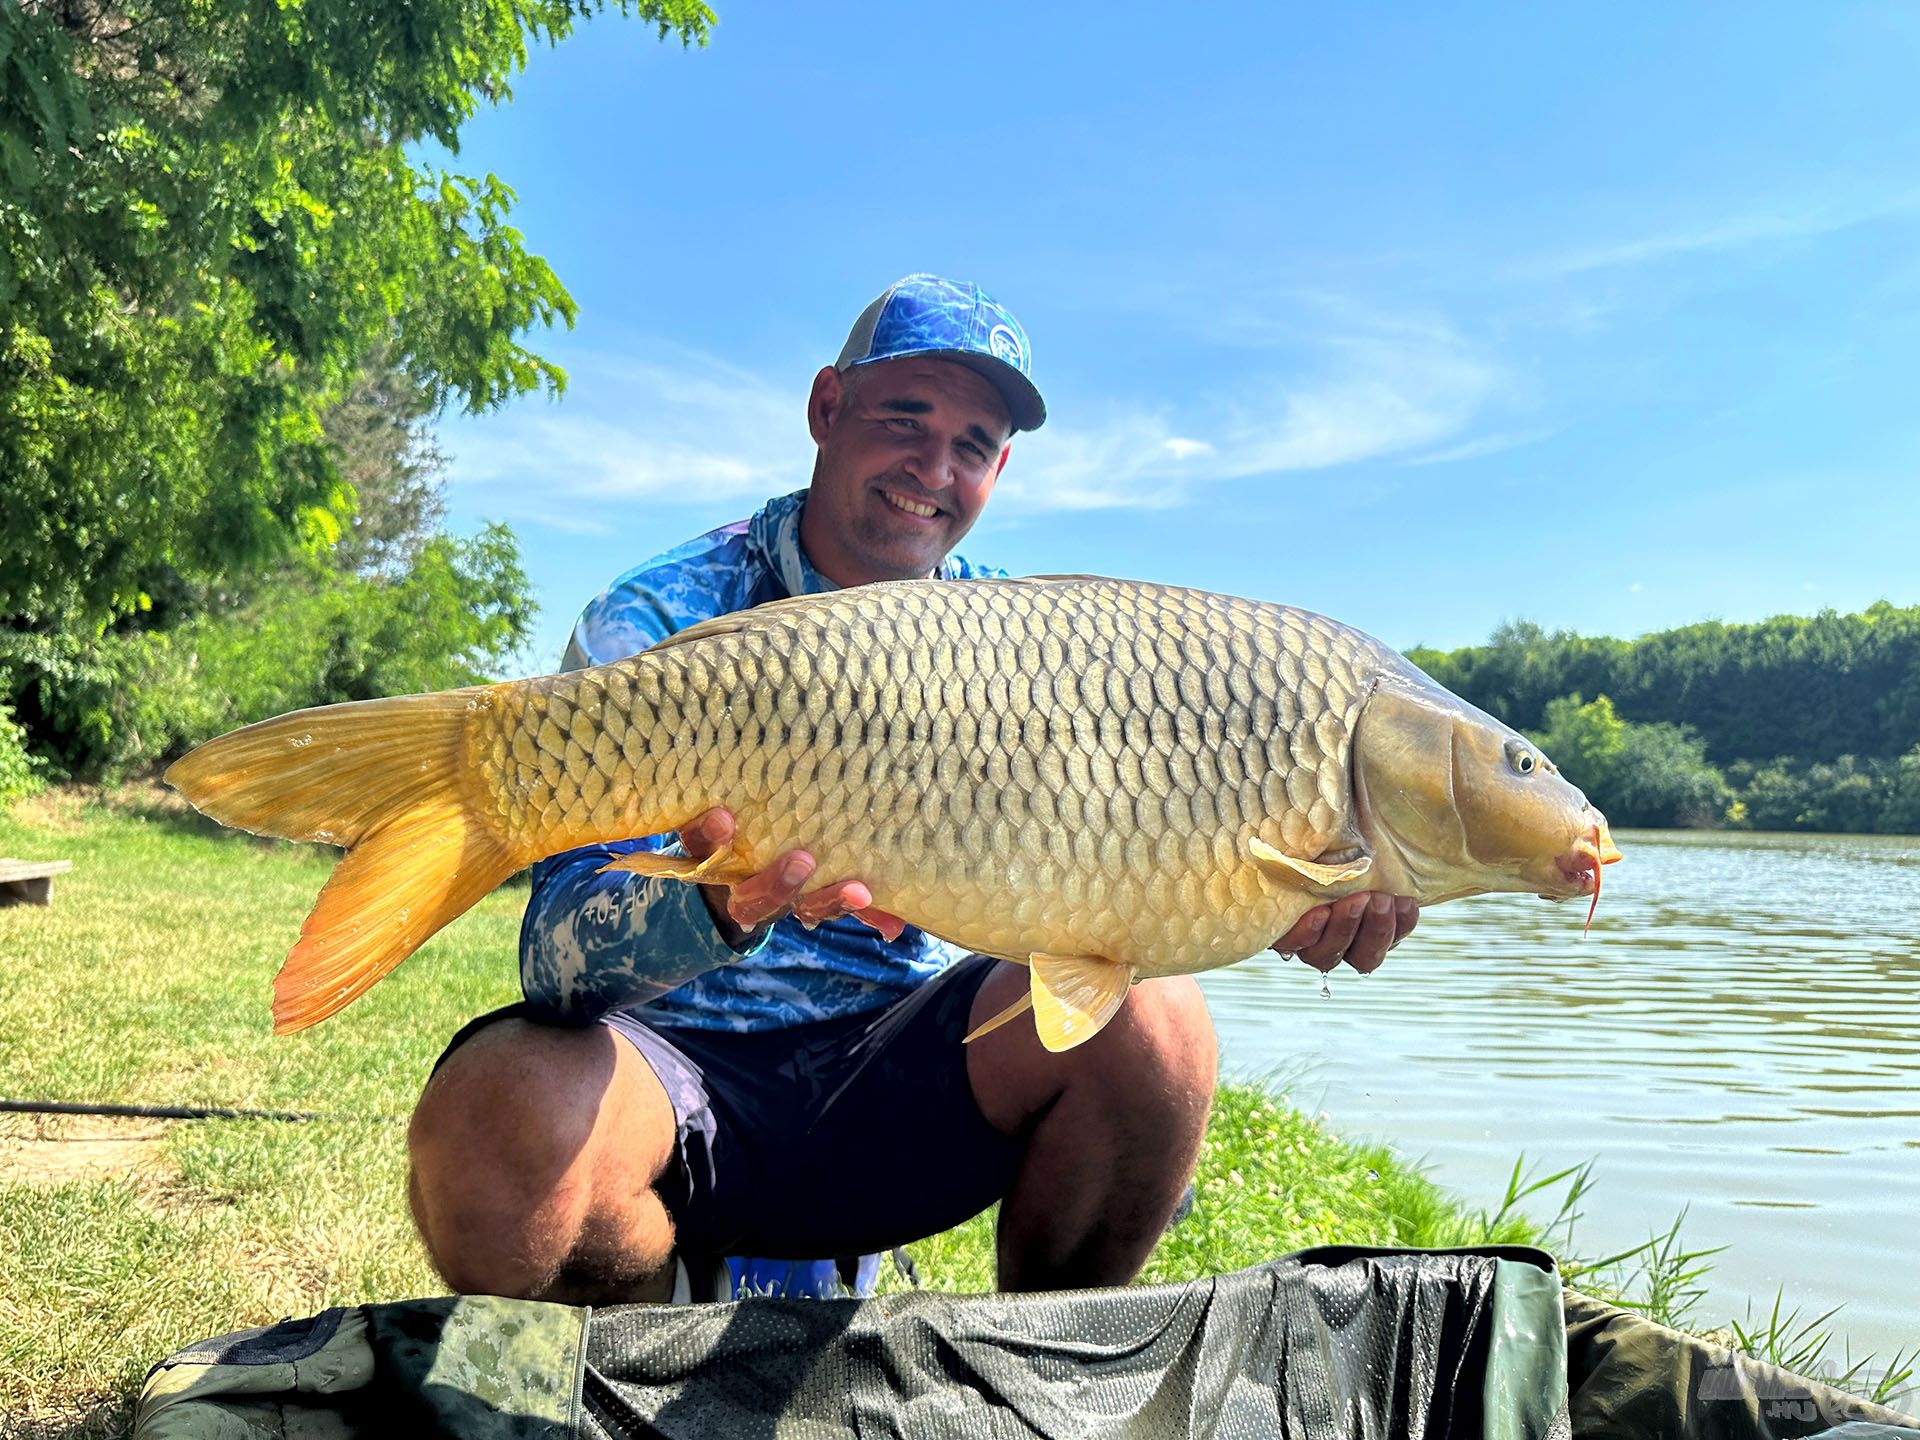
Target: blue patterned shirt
(593,943)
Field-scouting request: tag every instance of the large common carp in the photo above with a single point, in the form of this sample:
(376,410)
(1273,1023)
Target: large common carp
(1101,779)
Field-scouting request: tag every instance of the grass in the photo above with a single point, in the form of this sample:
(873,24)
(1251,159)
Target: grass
(147,982)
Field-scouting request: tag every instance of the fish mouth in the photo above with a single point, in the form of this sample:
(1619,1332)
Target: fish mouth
(1580,867)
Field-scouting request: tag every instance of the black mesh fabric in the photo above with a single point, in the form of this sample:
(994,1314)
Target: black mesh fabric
(1313,1345)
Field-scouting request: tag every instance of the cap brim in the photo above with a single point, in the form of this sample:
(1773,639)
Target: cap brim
(1025,408)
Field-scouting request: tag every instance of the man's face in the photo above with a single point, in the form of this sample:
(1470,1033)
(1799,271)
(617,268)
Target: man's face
(909,451)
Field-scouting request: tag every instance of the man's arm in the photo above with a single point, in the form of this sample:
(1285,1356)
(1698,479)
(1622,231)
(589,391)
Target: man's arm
(591,943)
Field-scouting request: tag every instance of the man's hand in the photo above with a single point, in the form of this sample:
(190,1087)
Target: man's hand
(777,890)
(1358,929)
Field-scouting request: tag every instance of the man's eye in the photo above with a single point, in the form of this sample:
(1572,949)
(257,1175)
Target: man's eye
(905,423)
(972,451)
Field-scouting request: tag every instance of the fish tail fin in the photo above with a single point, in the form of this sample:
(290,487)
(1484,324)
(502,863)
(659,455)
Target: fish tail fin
(388,779)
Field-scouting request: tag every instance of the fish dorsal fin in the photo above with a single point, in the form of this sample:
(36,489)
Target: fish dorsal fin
(1326,878)
(1074,996)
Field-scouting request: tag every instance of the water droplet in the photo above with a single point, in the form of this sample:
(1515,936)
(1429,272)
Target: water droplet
(1326,989)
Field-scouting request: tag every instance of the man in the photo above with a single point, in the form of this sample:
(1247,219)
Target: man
(762,1070)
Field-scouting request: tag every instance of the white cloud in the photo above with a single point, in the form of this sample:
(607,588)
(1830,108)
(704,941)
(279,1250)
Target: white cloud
(1483,445)
(681,426)
(1736,232)
(1374,396)
(677,425)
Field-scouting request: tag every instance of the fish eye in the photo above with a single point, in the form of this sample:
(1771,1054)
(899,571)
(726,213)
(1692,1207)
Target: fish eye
(1523,760)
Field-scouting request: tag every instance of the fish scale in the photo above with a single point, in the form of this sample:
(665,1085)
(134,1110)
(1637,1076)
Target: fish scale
(1105,779)
(957,792)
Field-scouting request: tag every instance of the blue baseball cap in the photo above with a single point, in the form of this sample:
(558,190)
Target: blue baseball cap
(926,315)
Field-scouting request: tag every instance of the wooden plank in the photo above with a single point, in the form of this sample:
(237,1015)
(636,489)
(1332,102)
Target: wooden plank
(29,882)
(32,869)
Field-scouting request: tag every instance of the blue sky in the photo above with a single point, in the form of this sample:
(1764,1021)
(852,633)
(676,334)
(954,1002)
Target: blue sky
(1606,317)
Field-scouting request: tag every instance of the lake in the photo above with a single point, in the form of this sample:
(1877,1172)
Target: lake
(1739,1035)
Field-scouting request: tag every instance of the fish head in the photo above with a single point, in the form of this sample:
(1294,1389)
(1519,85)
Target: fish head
(1457,803)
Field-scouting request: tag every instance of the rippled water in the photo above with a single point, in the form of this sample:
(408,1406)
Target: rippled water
(1739,1035)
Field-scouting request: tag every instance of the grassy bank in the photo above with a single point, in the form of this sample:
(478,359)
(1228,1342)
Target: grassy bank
(146,983)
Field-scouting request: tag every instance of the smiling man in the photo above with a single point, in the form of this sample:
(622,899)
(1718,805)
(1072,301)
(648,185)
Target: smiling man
(776,1069)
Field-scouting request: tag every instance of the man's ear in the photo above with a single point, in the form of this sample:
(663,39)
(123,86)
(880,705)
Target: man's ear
(1001,463)
(824,402)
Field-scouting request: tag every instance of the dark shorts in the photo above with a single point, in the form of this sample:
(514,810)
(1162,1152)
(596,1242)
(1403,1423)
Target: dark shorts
(839,1137)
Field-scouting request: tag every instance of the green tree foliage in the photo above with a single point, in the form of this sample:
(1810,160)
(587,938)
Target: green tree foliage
(396,606)
(231,289)
(315,636)
(1848,794)
(1901,815)
(1654,774)
(20,772)
(1818,687)
(209,213)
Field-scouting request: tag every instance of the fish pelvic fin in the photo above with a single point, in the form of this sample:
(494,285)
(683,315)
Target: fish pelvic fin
(719,868)
(1012,1012)
(390,780)
(1322,879)
(1074,996)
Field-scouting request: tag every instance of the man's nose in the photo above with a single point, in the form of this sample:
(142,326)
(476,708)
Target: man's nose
(931,464)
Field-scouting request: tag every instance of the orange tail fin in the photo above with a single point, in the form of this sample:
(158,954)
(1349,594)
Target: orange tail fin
(388,779)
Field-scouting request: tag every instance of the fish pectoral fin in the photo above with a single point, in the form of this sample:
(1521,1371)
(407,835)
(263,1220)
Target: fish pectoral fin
(1074,996)
(1012,1012)
(719,868)
(1319,877)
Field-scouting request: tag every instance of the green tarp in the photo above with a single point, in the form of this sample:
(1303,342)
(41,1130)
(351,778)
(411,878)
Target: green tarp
(1330,1343)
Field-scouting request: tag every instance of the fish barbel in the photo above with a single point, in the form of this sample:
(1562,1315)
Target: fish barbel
(1104,780)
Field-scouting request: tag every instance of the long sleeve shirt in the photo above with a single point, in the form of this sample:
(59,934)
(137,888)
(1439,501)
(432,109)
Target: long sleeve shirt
(592,943)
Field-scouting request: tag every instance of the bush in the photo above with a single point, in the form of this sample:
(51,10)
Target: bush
(1654,775)
(19,772)
(455,617)
(1662,777)
(1901,815)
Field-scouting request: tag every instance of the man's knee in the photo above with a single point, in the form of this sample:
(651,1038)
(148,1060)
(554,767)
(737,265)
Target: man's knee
(1163,1053)
(1155,1061)
(517,1098)
(516,1139)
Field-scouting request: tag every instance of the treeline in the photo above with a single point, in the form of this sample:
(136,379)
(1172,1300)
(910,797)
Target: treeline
(1791,723)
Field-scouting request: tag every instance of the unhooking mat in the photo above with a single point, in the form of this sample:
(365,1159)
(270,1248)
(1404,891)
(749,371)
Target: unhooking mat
(1326,1343)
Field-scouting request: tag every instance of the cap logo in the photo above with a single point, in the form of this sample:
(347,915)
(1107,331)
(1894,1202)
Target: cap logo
(1006,346)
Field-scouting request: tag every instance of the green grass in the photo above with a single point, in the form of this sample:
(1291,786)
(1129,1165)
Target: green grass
(148,980)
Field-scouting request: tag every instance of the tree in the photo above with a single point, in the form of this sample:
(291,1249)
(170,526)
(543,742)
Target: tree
(1585,741)
(1901,815)
(1654,774)
(1818,687)
(209,216)
(1662,777)
(385,450)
